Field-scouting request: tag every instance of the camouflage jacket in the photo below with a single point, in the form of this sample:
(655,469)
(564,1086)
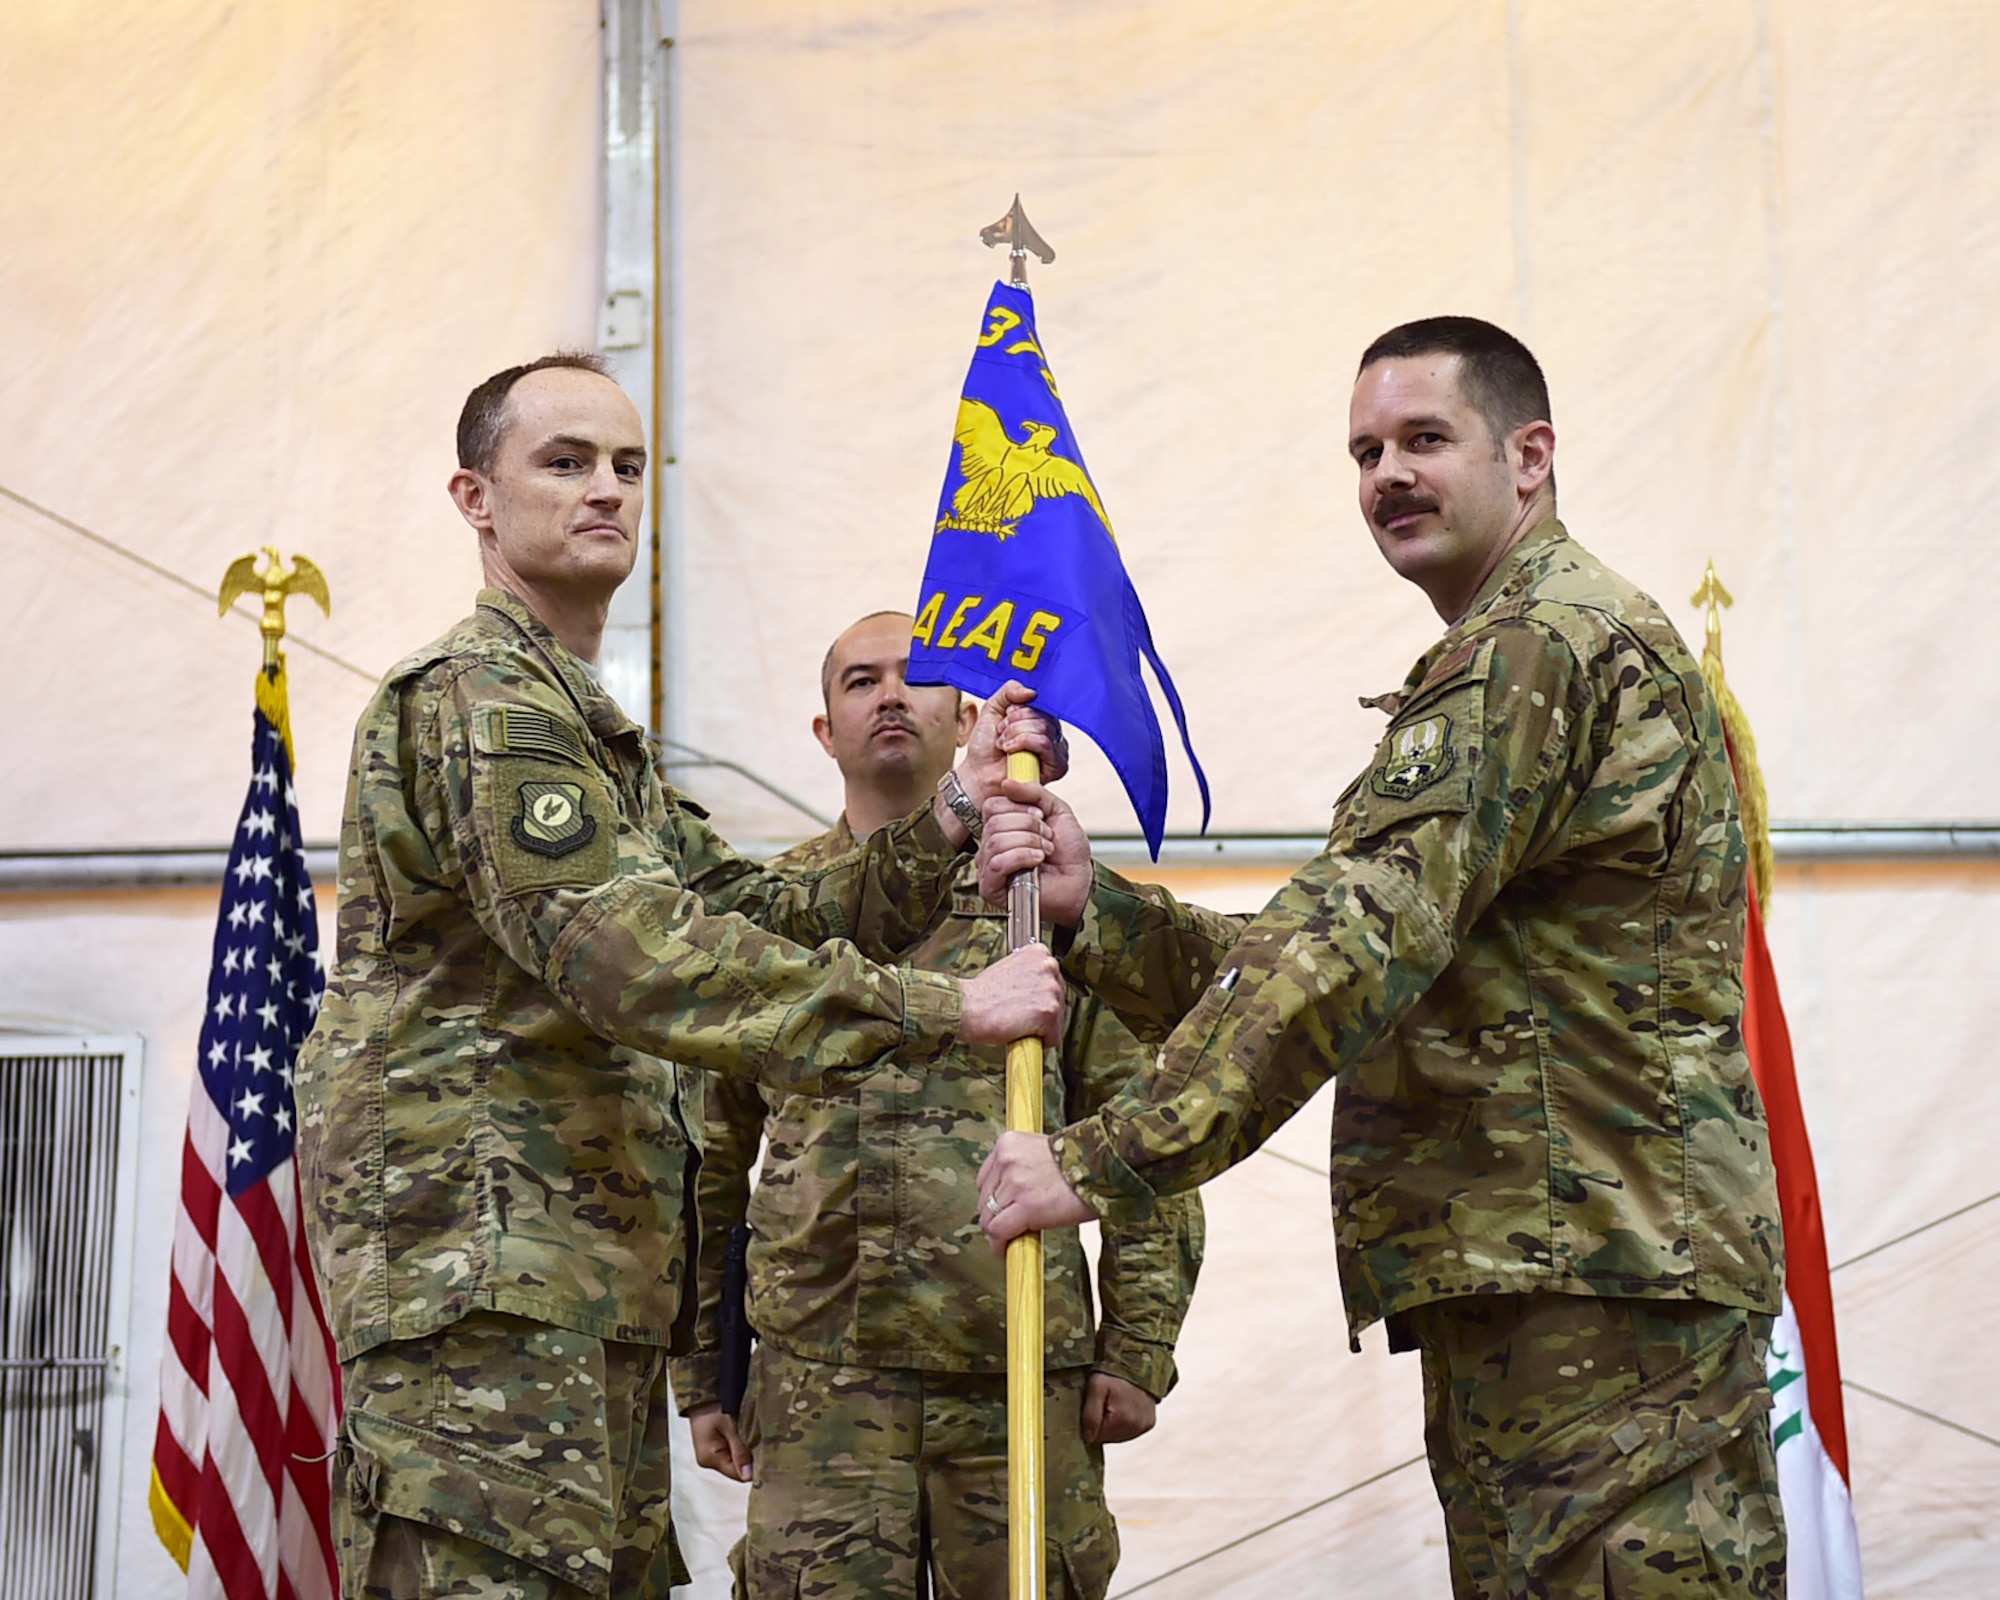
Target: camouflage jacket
(531,929)
(1520,958)
(865,1246)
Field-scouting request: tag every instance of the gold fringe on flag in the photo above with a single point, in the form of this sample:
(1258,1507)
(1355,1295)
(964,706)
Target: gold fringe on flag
(169,1523)
(274,699)
(1752,799)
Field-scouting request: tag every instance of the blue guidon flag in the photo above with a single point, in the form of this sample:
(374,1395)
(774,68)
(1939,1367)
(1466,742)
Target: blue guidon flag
(1024,578)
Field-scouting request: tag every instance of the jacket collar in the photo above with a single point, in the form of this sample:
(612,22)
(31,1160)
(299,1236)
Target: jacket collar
(1513,572)
(1516,570)
(605,716)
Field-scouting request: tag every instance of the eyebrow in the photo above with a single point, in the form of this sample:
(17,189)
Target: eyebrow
(573,441)
(875,667)
(1403,425)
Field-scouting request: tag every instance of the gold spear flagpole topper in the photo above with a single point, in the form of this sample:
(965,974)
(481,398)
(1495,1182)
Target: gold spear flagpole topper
(1752,798)
(1018,234)
(1027,1500)
(1712,595)
(276,585)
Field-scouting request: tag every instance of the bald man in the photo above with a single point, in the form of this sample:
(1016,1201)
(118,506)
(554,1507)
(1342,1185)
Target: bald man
(874,1430)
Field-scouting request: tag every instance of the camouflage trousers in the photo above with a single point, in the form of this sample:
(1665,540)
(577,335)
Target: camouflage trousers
(1595,1449)
(855,1467)
(508,1460)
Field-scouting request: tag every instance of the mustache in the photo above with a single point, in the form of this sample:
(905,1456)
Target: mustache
(1392,506)
(894,719)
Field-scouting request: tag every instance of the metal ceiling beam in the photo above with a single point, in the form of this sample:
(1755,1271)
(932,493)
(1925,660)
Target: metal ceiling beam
(1797,843)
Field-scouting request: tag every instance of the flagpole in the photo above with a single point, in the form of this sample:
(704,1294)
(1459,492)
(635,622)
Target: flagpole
(1027,1578)
(1026,1489)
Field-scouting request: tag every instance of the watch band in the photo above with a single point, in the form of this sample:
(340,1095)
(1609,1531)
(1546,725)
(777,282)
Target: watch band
(961,804)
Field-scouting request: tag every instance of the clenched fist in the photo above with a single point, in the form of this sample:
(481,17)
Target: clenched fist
(1019,997)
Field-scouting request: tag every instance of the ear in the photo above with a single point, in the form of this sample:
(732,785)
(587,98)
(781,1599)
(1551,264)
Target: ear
(823,731)
(473,496)
(1534,452)
(968,719)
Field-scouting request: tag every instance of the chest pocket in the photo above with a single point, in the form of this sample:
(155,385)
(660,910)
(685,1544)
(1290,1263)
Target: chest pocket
(975,933)
(1425,763)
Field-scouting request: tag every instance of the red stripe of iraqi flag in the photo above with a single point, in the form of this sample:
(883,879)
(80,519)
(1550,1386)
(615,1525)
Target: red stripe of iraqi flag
(1769,1043)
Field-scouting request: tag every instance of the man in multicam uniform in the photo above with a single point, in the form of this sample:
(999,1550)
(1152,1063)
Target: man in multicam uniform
(876,1416)
(1519,959)
(493,1138)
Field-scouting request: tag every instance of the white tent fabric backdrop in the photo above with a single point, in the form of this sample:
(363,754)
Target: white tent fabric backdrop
(254,257)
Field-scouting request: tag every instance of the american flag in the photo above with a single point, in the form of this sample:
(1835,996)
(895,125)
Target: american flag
(249,1389)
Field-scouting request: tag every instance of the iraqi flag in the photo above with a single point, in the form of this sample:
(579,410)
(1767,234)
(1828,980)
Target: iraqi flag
(1808,1424)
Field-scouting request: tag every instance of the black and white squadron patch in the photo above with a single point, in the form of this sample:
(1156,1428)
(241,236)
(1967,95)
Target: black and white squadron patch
(1418,755)
(552,820)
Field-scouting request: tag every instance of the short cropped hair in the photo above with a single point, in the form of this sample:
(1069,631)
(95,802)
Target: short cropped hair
(483,422)
(826,662)
(1499,375)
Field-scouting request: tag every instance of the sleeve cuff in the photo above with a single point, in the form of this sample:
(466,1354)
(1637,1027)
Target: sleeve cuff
(1099,1175)
(697,1379)
(932,1006)
(1111,905)
(1124,1355)
(927,835)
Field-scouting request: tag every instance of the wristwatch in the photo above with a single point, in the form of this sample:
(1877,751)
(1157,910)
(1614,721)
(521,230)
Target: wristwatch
(960,803)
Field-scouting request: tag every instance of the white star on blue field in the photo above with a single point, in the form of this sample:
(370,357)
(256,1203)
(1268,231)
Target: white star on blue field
(265,979)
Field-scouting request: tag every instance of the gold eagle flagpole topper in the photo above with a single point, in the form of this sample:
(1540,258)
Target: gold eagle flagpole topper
(275,585)
(1026,1485)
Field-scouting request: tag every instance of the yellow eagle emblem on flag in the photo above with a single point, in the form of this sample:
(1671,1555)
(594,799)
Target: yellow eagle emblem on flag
(1004,477)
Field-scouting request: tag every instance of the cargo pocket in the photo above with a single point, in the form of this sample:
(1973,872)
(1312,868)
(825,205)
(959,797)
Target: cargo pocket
(1593,1467)
(410,1472)
(1083,1566)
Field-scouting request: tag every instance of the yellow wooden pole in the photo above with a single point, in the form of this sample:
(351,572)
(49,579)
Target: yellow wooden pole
(1026,1504)
(1027,1517)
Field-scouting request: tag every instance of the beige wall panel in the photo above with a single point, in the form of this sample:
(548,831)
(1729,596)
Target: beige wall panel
(1891,210)
(258,254)
(1924,1490)
(1889,979)
(1644,291)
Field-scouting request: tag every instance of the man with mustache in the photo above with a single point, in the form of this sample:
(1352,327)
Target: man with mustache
(541,948)
(874,1430)
(1519,959)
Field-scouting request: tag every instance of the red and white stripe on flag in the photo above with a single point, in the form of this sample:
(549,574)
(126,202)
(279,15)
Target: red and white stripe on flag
(1808,1424)
(249,1387)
